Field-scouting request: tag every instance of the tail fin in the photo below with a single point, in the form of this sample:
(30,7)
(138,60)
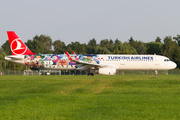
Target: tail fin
(17,46)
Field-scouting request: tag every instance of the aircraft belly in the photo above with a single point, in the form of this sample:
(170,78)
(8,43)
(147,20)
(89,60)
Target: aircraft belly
(60,68)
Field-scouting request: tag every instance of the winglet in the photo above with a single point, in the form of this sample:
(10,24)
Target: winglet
(74,53)
(69,57)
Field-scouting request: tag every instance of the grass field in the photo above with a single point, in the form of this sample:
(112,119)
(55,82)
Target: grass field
(91,98)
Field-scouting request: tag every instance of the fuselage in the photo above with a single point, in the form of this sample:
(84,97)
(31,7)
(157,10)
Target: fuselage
(119,62)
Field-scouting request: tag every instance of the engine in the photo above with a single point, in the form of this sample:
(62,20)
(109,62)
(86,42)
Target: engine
(107,71)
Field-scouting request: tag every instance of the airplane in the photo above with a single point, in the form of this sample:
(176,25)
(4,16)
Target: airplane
(104,64)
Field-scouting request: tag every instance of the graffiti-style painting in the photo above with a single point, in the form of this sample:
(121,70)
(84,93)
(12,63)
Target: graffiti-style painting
(58,61)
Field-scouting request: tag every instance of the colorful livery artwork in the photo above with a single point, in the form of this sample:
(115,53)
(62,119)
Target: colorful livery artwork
(58,60)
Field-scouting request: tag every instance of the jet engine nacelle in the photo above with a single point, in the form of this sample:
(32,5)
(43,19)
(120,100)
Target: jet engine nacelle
(107,71)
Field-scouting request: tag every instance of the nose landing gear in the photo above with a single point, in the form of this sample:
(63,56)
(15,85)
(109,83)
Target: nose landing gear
(156,73)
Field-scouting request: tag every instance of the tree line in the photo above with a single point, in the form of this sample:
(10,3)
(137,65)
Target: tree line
(168,46)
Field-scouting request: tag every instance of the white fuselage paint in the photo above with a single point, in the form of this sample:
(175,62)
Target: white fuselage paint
(157,63)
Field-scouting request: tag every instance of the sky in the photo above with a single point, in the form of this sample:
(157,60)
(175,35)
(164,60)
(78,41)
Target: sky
(83,20)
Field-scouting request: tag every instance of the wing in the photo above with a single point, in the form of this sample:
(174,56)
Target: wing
(85,65)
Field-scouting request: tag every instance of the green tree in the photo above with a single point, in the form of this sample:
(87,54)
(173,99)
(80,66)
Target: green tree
(59,47)
(124,48)
(169,48)
(90,48)
(35,46)
(111,42)
(141,49)
(1,50)
(131,40)
(134,43)
(77,47)
(177,39)
(92,42)
(117,42)
(158,39)
(101,50)
(6,48)
(83,48)
(46,43)
(2,60)
(154,48)
(105,43)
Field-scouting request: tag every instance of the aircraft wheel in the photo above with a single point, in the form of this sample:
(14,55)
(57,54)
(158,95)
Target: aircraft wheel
(90,74)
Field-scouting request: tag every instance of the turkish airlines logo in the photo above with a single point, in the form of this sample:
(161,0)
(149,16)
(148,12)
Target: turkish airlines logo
(18,47)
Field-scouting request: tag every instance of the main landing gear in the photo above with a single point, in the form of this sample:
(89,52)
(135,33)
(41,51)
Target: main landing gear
(90,74)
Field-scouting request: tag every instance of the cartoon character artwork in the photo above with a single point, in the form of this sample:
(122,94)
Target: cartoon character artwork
(47,58)
(97,60)
(85,58)
(93,60)
(89,58)
(27,60)
(55,59)
(36,61)
(77,58)
(62,62)
(40,63)
(58,60)
(32,57)
(72,63)
(47,62)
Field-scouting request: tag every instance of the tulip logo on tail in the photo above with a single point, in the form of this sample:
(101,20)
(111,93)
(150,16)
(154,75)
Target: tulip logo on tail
(17,47)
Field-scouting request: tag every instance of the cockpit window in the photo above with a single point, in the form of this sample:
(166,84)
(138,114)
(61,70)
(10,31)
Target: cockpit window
(166,60)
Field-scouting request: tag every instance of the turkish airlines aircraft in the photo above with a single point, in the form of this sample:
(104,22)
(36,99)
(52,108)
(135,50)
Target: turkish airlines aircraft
(106,64)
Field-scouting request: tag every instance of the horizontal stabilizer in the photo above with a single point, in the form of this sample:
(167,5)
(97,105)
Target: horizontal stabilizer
(14,57)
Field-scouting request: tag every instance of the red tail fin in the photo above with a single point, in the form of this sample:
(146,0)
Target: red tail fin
(17,46)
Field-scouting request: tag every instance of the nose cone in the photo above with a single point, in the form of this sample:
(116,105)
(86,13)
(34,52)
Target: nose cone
(173,65)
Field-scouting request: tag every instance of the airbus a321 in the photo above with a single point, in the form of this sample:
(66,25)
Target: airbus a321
(105,64)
